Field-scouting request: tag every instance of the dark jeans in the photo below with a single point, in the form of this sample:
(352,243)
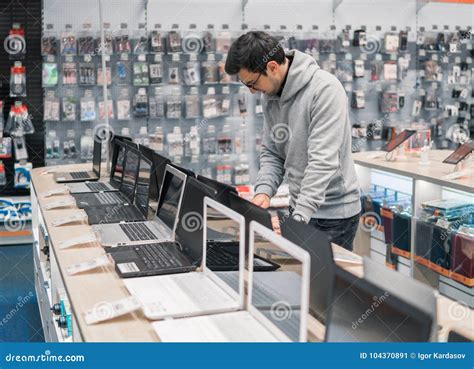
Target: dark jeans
(339,231)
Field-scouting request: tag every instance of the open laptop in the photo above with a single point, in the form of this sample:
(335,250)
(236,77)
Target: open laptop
(193,293)
(280,323)
(183,256)
(360,311)
(316,243)
(125,195)
(81,176)
(223,190)
(118,162)
(164,224)
(157,170)
(405,288)
(135,212)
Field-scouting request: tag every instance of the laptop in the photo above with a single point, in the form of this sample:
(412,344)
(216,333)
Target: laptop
(135,212)
(82,176)
(454,336)
(157,170)
(405,288)
(125,195)
(118,161)
(184,255)
(281,323)
(193,293)
(164,224)
(360,311)
(223,190)
(316,243)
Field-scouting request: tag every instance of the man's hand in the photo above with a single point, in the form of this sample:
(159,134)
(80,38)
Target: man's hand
(261,200)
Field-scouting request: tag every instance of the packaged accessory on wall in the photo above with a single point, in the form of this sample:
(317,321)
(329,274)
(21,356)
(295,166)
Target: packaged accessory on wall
(49,44)
(403,41)
(208,39)
(17,80)
(358,99)
(344,40)
(69,73)
(432,71)
(225,103)
(376,67)
(359,69)
(390,70)
(86,74)
(68,43)
(391,42)
(108,42)
(141,74)
(329,66)
(15,43)
(174,41)
(192,104)
(401,100)
(389,101)
(69,106)
(103,109)
(223,41)
(157,104)
(140,103)
(430,42)
(51,107)
(122,70)
(431,100)
(454,43)
(3,176)
(156,71)
(85,42)
(123,105)
(210,104)
(360,38)
(156,41)
(19,145)
(173,105)
(209,70)
(223,76)
(173,70)
(344,70)
(403,64)
(52,145)
(416,108)
(122,41)
(22,175)
(5,147)
(140,41)
(191,73)
(242,102)
(88,110)
(50,74)
(71,143)
(19,121)
(100,75)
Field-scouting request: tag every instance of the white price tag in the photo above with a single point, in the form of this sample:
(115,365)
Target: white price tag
(61,203)
(56,191)
(103,311)
(89,237)
(69,219)
(88,265)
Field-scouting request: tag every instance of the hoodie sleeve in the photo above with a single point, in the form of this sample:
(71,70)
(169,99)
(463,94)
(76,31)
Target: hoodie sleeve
(327,116)
(272,169)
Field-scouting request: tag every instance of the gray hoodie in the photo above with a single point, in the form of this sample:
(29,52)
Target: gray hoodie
(307,135)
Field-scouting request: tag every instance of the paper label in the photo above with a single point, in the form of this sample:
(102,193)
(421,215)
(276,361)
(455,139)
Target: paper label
(89,237)
(88,265)
(56,191)
(104,311)
(69,219)
(61,203)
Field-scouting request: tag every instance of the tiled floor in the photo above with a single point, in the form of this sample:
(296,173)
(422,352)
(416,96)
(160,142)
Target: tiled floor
(19,315)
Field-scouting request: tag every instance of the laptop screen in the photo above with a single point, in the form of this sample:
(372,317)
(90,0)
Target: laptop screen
(143,185)
(170,197)
(130,173)
(362,312)
(159,166)
(97,156)
(117,169)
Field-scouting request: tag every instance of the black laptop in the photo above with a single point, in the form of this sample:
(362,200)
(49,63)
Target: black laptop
(125,195)
(223,190)
(135,212)
(157,170)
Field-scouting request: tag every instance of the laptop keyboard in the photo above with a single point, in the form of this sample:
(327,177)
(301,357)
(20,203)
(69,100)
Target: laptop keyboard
(107,198)
(97,186)
(79,175)
(158,255)
(216,256)
(137,231)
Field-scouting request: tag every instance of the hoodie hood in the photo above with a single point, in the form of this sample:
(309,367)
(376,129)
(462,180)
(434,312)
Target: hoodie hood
(301,72)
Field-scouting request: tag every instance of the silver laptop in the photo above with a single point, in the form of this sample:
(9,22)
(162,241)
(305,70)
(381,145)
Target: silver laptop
(82,176)
(161,228)
(115,175)
(194,293)
(280,323)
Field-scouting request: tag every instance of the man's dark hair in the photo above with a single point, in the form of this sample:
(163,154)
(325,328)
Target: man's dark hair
(252,51)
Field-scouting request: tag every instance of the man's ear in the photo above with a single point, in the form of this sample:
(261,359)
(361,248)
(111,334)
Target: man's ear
(272,67)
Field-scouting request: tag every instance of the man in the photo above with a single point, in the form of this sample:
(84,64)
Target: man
(307,135)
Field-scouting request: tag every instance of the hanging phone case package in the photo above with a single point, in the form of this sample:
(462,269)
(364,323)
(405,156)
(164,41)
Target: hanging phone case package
(140,74)
(157,104)
(69,74)
(209,71)
(123,105)
(68,43)
(86,44)
(108,44)
(403,64)
(122,43)
(22,175)
(191,104)
(19,145)
(50,74)
(86,74)
(174,42)
(51,108)
(69,108)
(49,45)
(156,42)
(392,42)
(2,123)
(432,71)
(100,76)
(5,147)
(19,121)
(191,73)
(223,41)
(88,111)
(359,70)
(17,81)
(174,105)
(390,71)
(140,103)
(102,109)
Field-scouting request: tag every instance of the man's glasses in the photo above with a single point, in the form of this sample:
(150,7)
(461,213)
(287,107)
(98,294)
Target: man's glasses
(252,85)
